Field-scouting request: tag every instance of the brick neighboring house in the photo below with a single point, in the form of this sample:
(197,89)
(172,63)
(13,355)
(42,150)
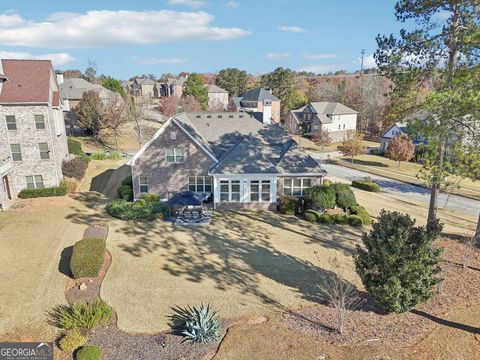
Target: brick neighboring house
(333,117)
(217,97)
(244,161)
(254,101)
(32,128)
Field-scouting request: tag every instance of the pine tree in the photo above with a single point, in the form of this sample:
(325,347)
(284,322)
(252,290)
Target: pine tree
(398,264)
(194,87)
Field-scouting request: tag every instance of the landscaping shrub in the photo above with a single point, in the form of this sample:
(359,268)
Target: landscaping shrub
(98,156)
(75,147)
(320,197)
(398,264)
(366,185)
(74,168)
(340,218)
(355,221)
(312,215)
(362,213)
(288,205)
(45,192)
(89,353)
(378,152)
(128,181)
(70,184)
(198,325)
(125,210)
(115,155)
(345,198)
(87,257)
(326,219)
(125,192)
(71,340)
(149,198)
(82,316)
(327,182)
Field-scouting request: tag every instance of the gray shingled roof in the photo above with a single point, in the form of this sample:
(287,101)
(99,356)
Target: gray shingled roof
(74,88)
(259,94)
(331,108)
(215,89)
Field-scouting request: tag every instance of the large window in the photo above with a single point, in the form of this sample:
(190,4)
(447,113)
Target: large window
(295,187)
(11,122)
(39,122)
(16,152)
(224,190)
(235,190)
(260,190)
(200,184)
(230,190)
(143,184)
(44,152)
(174,156)
(34,182)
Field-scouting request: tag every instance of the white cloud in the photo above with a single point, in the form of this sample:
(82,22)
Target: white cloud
(319,56)
(292,29)
(368,62)
(58,59)
(192,3)
(105,28)
(157,61)
(277,56)
(232,4)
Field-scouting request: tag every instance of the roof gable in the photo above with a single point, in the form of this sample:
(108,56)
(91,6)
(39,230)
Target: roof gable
(259,94)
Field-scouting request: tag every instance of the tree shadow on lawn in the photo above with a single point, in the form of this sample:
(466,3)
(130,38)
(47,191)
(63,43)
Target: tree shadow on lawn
(366,162)
(64,263)
(452,324)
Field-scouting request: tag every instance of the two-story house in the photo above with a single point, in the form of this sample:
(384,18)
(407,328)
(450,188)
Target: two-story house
(217,97)
(335,118)
(32,130)
(254,100)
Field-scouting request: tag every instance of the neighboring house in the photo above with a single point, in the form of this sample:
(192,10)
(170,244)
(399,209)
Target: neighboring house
(32,128)
(143,87)
(394,130)
(217,97)
(333,117)
(254,101)
(170,86)
(241,160)
(71,92)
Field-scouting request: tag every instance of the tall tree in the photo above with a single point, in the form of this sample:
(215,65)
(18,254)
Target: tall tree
(114,116)
(114,85)
(194,87)
(91,71)
(89,113)
(282,83)
(233,80)
(427,58)
(353,145)
(400,149)
(321,138)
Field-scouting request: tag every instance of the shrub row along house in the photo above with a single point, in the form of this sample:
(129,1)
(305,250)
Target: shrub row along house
(32,130)
(242,159)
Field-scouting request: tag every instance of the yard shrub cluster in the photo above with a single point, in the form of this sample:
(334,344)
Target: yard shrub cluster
(74,168)
(114,155)
(75,147)
(71,184)
(82,316)
(197,324)
(366,185)
(362,213)
(355,221)
(138,210)
(71,340)
(345,198)
(125,192)
(312,215)
(45,192)
(89,353)
(289,205)
(320,197)
(327,218)
(87,257)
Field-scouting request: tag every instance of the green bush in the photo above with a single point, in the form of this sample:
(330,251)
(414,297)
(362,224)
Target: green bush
(363,214)
(89,353)
(150,198)
(128,181)
(125,210)
(366,185)
(71,340)
(125,192)
(355,221)
(87,257)
(45,192)
(197,325)
(320,197)
(115,155)
(82,316)
(340,218)
(288,205)
(75,147)
(327,219)
(327,182)
(98,156)
(312,215)
(74,168)
(398,264)
(345,197)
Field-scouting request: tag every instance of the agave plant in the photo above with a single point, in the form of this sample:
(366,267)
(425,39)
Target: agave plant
(198,325)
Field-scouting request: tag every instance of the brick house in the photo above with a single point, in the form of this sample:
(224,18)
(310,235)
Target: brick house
(254,101)
(242,160)
(32,128)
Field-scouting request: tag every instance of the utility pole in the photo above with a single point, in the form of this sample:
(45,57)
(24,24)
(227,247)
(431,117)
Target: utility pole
(361,66)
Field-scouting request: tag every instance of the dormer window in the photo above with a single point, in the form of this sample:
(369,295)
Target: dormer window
(173,135)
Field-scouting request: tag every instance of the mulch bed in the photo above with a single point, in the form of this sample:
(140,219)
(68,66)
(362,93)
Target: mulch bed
(369,324)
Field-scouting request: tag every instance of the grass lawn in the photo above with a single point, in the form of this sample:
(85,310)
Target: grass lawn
(407,172)
(311,146)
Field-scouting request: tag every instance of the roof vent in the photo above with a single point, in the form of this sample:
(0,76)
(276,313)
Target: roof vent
(199,116)
(240,116)
(230,116)
(209,116)
(220,116)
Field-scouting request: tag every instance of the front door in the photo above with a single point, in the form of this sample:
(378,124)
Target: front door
(6,186)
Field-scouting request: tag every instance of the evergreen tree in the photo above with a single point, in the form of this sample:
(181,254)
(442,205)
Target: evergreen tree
(233,80)
(398,264)
(194,87)
(114,85)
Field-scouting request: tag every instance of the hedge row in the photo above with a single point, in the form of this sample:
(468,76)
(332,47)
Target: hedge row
(366,185)
(363,214)
(61,190)
(143,209)
(289,205)
(87,257)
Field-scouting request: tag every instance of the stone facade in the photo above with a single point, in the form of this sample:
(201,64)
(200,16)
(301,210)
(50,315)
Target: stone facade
(166,178)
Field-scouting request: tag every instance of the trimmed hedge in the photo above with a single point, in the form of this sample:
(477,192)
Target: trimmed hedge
(312,215)
(75,147)
(363,214)
(89,353)
(366,185)
(355,221)
(340,218)
(327,219)
(125,192)
(288,205)
(138,210)
(345,197)
(150,198)
(74,168)
(87,257)
(45,192)
(320,197)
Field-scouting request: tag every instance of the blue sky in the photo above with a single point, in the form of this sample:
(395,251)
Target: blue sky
(135,37)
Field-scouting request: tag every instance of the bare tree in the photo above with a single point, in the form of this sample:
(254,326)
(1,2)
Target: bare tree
(114,116)
(468,251)
(339,293)
(321,138)
(137,111)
